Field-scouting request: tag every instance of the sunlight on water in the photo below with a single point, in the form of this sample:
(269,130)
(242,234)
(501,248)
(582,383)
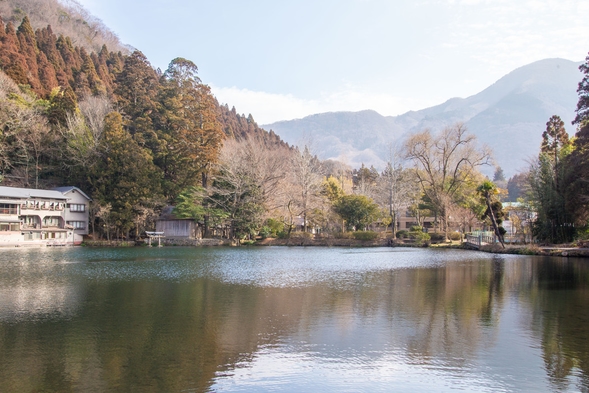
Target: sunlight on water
(291,320)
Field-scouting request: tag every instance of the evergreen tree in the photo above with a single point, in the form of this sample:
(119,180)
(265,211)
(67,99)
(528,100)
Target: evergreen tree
(61,103)
(125,177)
(189,126)
(47,76)
(498,175)
(28,48)
(13,63)
(577,180)
(583,91)
(547,193)
(358,211)
(136,96)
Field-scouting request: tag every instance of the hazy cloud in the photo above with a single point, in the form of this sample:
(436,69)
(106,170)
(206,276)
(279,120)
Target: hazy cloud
(269,107)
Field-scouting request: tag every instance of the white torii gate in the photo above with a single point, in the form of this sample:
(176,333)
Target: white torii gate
(155,235)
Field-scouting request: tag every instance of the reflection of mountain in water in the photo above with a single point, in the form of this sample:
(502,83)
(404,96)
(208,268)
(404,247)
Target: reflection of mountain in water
(196,320)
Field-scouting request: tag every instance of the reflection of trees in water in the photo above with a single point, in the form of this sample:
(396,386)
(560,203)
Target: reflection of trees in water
(165,336)
(558,294)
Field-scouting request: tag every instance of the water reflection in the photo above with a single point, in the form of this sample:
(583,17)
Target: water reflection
(291,319)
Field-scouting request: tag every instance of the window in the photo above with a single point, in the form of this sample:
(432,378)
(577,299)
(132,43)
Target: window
(32,236)
(77,224)
(51,221)
(77,207)
(9,226)
(6,208)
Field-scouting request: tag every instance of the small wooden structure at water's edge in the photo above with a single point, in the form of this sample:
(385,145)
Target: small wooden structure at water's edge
(177,228)
(155,235)
(478,239)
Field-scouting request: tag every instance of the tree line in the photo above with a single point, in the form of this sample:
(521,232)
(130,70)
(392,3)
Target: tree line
(131,136)
(138,138)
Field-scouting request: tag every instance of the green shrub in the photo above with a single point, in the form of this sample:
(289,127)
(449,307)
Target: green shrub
(402,234)
(273,227)
(266,232)
(365,235)
(416,228)
(420,236)
(248,242)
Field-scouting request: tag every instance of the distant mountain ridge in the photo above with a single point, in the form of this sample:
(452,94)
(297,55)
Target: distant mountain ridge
(509,116)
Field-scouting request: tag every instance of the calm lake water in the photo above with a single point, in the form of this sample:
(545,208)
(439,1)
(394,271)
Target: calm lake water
(291,320)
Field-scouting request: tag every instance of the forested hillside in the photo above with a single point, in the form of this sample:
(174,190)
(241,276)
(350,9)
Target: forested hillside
(67,18)
(131,136)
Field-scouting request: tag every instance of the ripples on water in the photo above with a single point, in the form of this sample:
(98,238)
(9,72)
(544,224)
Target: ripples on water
(290,319)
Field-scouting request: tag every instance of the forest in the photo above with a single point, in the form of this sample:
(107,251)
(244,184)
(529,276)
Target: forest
(138,139)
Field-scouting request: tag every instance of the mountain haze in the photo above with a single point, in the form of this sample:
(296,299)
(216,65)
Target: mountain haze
(509,116)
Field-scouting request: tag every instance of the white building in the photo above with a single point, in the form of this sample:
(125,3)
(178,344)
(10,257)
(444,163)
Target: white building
(30,217)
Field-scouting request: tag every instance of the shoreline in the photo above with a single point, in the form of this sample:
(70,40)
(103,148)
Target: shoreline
(527,249)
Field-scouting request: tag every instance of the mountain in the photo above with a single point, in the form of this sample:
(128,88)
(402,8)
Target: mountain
(509,116)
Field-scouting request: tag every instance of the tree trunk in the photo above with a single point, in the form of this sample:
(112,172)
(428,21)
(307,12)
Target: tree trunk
(493,221)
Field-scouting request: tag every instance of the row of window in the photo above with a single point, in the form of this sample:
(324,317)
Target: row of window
(9,226)
(6,208)
(15,226)
(45,235)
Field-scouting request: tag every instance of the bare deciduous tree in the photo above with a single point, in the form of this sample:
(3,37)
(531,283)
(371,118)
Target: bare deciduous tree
(84,131)
(396,185)
(306,177)
(445,163)
(248,181)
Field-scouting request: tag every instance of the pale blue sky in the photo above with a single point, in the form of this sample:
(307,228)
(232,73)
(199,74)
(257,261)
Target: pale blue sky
(287,59)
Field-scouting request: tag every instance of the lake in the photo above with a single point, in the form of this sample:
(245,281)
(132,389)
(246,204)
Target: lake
(287,319)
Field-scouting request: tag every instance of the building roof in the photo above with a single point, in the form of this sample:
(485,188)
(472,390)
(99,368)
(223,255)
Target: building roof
(67,189)
(26,193)
(15,192)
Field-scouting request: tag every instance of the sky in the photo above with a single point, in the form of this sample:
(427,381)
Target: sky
(282,60)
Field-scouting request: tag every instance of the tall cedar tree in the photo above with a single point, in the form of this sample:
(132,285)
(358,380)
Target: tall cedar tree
(577,179)
(13,63)
(28,48)
(583,91)
(189,126)
(136,95)
(554,140)
(552,223)
(126,176)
